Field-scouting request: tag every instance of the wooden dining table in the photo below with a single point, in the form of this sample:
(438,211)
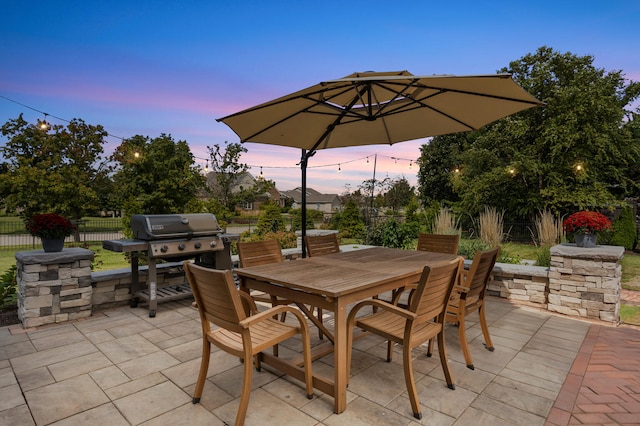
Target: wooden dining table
(333,282)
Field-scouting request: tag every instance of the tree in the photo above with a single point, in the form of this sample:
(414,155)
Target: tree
(398,193)
(52,170)
(270,220)
(349,221)
(155,176)
(574,153)
(225,175)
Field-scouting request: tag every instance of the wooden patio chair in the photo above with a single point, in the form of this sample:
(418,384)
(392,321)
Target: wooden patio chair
(256,253)
(469,296)
(320,245)
(438,243)
(422,321)
(245,336)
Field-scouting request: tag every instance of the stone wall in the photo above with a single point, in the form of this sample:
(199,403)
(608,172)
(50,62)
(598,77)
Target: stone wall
(585,282)
(580,282)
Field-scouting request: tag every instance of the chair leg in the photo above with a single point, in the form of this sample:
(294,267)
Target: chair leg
(246,392)
(463,342)
(430,347)
(320,334)
(389,351)
(442,350)
(409,380)
(204,368)
(485,330)
(306,353)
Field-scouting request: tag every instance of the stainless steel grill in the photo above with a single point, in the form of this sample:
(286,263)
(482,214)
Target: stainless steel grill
(172,237)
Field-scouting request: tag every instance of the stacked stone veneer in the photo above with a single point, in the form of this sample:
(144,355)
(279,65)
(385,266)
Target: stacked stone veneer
(585,282)
(53,287)
(56,287)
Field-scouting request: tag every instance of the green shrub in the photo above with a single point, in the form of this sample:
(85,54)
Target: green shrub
(468,248)
(296,218)
(8,288)
(270,220)
(624,230)
(543,256)
(393,234)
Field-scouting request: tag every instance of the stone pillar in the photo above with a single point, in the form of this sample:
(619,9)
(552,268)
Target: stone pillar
(586,281)
(53,287)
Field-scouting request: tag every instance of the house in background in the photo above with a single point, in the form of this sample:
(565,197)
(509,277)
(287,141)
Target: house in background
(246,181)
(326,203)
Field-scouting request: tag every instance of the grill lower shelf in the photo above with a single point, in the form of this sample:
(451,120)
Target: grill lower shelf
(163,294)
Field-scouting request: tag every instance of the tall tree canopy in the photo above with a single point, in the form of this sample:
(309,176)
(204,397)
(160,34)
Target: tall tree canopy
(156,176)
(576,152)
(52,169)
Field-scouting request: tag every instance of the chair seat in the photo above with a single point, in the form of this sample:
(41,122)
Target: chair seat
(392,327)
(263,335)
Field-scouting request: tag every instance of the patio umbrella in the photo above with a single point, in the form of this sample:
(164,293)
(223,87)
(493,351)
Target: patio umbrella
(378,108)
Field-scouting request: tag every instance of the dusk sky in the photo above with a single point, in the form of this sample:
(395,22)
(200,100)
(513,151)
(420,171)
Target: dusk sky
(152,67)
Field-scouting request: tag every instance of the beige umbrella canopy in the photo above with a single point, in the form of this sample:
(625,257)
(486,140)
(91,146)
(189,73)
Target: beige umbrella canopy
(378,108)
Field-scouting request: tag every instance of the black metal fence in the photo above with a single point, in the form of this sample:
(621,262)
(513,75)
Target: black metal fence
(14,236)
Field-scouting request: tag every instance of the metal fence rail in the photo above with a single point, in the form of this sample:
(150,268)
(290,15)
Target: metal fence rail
(14,236)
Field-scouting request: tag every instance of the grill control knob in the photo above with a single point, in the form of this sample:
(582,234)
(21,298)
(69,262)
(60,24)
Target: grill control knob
(181,246)
(197,245)
(213,243)
(164,249)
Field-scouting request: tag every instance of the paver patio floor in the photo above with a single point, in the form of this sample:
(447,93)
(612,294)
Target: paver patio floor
(120,367)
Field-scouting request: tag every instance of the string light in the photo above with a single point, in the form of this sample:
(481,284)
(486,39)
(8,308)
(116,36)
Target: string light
(43,124)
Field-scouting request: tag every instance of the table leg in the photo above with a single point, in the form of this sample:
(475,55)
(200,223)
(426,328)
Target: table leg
(340,357)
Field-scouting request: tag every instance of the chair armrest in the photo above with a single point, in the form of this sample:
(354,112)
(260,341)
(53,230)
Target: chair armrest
(270,313)
(382,305)
(248,303)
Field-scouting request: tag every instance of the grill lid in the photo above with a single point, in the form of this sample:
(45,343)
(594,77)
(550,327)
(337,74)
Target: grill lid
(169,226)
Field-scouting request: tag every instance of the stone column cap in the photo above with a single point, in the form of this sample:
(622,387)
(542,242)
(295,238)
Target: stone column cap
(606,253)
(67,255)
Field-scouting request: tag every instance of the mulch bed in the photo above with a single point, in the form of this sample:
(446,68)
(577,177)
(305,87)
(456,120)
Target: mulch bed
(9,316)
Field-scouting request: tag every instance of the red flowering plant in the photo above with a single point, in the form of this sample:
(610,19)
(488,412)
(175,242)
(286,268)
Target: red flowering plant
(586,222)
(49,225)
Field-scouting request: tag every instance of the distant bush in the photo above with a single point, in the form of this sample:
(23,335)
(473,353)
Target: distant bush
(624,230)
(391,233)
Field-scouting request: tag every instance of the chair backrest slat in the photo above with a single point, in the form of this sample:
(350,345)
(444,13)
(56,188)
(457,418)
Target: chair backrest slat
(320,245)
(480,271)
(257,253)
(216,295)
(435,286)
(438,243)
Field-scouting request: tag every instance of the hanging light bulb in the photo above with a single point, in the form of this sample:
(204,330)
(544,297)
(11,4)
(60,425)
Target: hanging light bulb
(339,169)
(410,163)
(206,167)
(261,175)
(136,154)
(367,160)
(43,125)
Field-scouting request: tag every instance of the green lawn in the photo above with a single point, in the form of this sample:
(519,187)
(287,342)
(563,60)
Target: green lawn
(103,261)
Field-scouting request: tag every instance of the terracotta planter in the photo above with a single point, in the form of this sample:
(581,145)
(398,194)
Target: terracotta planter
(52,245)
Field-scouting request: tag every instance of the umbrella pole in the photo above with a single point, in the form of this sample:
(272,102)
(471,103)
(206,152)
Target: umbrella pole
(303,226)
